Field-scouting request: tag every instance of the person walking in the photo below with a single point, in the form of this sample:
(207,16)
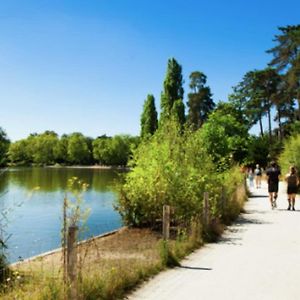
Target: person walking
(292,187)
(273,173)
(258,174)
(251,177)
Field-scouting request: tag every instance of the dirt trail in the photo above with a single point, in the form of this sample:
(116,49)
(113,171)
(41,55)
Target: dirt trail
(257,258)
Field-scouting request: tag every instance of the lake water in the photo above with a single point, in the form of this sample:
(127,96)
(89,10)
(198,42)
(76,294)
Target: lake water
(34,216)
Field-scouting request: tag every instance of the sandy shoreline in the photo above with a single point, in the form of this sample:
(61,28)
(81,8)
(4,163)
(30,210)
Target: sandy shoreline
(58,251)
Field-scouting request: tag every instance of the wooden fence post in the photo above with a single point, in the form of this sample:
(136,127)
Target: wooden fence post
(205,209)
(72,261)
(166,222)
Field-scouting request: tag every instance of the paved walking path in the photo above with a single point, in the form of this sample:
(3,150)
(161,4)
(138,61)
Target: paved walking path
(257,258)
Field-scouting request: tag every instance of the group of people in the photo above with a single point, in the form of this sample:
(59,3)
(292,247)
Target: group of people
(273,173)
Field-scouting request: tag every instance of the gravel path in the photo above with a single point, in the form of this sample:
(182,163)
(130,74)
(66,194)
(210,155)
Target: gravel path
(257,258)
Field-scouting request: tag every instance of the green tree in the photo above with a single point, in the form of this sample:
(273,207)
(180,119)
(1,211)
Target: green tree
(200,100)
(114,151)
(78,149)
(291,153)
(285,107)
(287,58)
(18,153)
(101,152)
(258,88)
(258,151)
(61,150)
(172,95)
(43,148)
(149,117)
(4,145)
(225,139)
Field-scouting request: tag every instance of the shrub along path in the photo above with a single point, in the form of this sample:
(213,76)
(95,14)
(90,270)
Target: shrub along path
(258,257)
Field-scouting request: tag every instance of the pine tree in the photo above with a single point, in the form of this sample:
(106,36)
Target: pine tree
(287,59)
(200,101)
(149,117)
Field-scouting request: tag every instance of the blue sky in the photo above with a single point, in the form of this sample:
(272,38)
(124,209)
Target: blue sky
(88,65)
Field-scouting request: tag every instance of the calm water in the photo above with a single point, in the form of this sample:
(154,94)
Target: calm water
(34,217)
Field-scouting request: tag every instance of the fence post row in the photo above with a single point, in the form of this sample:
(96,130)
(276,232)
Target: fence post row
(205,209)
(166,222)
(72,261)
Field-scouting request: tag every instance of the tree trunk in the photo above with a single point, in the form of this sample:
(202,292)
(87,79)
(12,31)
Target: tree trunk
(270,125)
(261,127)
(279,124)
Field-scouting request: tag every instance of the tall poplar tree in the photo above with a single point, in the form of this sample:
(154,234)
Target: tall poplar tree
(200,100)
(172,95)
(149,117)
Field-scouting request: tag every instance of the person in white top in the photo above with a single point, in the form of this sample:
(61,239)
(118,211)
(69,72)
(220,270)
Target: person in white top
(258,174)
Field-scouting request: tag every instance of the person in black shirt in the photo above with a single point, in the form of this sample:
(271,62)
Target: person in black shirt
(273,180)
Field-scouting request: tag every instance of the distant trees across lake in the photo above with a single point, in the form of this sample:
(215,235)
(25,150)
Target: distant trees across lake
(74,149)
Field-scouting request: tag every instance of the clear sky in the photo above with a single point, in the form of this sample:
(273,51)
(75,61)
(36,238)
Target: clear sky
(88,65)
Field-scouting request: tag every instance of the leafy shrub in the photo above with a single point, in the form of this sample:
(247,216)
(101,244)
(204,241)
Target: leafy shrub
(291,153)
(171,168)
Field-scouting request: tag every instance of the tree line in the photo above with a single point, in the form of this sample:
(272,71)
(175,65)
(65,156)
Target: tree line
(74,149)
(271,94)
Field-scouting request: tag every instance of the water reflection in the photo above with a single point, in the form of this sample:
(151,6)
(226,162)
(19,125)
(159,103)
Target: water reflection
(34,220)
(55,179)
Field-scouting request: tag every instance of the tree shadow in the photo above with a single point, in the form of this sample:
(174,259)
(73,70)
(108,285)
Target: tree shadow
(258,196)
(289,211)
(238,227)
(195,268)
(255,211)
(244,221)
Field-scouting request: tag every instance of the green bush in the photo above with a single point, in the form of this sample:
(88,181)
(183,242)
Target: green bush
(291,154)
(165,173)
(171,168)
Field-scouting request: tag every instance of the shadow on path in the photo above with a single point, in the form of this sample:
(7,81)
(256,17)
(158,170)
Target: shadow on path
(258,196)
(195,268)
(239,227)
(244,221)
(289,211)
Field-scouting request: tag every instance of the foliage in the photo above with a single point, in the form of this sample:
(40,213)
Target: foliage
(291,153)
(114,151)
(286,58)
(258,151)
(172,168)
(225,139)
(76,212)
(48,149)
(172,96)
(18,153)
(149,117)
(4,269)
(78,149)
(162,174)
(200,100)
(4,144)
